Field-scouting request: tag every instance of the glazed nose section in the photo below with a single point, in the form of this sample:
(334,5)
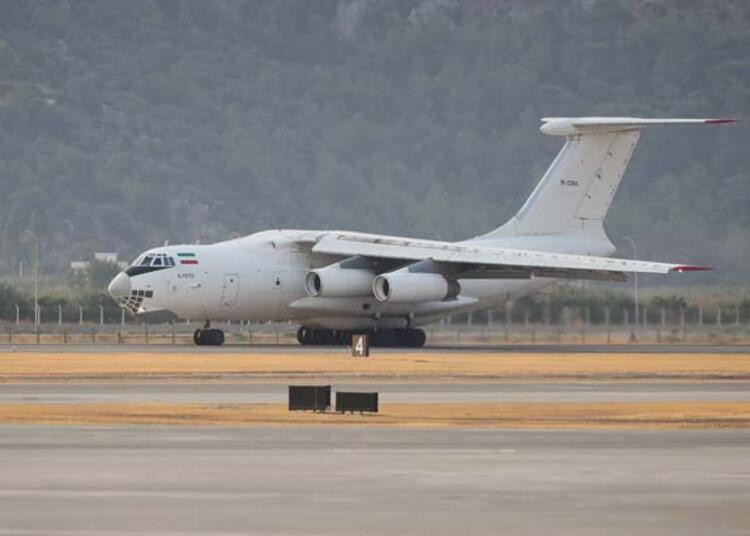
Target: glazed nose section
(119,287)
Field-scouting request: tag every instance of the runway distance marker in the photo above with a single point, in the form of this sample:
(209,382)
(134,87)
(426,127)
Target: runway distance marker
(361,345)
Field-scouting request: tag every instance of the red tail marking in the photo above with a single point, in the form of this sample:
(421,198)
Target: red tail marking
(690,268)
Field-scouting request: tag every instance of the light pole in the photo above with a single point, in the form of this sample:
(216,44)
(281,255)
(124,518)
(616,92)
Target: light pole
(635,284)
(36,276)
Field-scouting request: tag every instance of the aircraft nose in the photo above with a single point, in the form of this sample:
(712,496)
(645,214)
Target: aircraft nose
(119,287)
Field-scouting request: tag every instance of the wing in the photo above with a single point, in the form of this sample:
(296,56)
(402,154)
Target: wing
(469,261)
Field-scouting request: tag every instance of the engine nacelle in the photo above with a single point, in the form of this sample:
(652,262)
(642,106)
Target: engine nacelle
(336,282)
(398,287)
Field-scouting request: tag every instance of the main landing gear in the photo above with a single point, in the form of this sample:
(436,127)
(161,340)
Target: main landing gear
(392,338)
(208,337)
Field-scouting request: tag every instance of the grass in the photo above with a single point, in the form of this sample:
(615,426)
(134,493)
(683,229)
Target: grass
(46,366)
(681,414)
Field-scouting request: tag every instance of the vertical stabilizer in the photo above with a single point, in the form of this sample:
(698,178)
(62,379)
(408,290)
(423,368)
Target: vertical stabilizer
(575,193)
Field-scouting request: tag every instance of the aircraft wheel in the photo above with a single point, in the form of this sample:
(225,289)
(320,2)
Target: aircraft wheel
(415,338)
(198,337)
(322,337)
(306,336)
(208,337)
(302,335)
(342,338)
(216,337)
(385,338)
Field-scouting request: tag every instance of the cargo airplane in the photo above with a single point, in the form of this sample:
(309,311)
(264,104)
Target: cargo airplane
(337,283)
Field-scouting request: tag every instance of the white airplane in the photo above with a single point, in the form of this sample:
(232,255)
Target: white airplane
(336,283)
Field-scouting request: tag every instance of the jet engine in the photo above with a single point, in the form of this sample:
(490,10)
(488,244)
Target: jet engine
(336,282)
(405,286)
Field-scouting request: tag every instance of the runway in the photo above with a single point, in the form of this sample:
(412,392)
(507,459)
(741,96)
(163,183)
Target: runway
(474,348)
(334,480)
(248,393)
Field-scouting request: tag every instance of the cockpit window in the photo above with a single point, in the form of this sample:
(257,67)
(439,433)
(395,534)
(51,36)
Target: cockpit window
(162,260)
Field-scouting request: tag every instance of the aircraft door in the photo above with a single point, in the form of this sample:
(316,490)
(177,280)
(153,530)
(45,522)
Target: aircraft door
(230,288)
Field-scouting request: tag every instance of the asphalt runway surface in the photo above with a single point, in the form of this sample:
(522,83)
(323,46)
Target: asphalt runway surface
(247,393)
(69,480)
(294,348)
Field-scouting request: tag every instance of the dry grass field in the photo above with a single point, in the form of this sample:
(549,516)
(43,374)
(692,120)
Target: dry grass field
(412,366)
(475,415)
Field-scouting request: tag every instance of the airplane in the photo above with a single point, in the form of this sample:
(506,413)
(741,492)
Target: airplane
(338,283)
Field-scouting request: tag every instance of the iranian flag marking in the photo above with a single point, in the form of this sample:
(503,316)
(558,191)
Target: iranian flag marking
(187,258)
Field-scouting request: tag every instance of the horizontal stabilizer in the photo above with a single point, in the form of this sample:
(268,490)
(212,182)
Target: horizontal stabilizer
(569,126)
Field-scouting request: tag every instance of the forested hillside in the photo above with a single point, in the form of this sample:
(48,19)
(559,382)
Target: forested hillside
(125,124)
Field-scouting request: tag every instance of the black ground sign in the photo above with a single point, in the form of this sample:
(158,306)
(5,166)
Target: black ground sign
(356,402)
(306,397)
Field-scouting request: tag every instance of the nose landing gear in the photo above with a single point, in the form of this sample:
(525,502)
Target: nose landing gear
(208,337)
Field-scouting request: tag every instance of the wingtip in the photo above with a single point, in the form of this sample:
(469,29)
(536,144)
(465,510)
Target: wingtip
(720,121)
(690,268)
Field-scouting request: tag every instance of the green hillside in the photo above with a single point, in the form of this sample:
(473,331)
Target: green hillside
(125,124)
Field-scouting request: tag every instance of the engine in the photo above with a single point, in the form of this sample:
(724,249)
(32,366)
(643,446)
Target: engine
(405,286)
(336,282)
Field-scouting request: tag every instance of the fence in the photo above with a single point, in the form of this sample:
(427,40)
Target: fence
(536,314)
(575,331)
(65,314)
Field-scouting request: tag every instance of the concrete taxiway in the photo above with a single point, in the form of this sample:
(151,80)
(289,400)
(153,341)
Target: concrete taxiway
(63,480)
(249,393)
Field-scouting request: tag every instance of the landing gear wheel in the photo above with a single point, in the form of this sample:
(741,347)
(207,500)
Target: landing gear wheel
(208,337)
(385,338)
(302,335)
(415,338)
(217,337)
(395,338)
(305,336)
(322,337)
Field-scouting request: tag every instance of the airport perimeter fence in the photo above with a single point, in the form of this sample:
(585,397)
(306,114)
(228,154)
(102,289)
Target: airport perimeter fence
(102,325)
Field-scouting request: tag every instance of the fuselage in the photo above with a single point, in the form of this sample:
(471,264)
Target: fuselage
(261,277)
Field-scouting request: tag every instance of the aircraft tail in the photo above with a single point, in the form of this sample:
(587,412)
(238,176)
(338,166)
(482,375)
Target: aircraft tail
(575,193)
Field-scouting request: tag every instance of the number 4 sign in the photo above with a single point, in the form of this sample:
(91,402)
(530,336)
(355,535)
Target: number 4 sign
(360,345)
